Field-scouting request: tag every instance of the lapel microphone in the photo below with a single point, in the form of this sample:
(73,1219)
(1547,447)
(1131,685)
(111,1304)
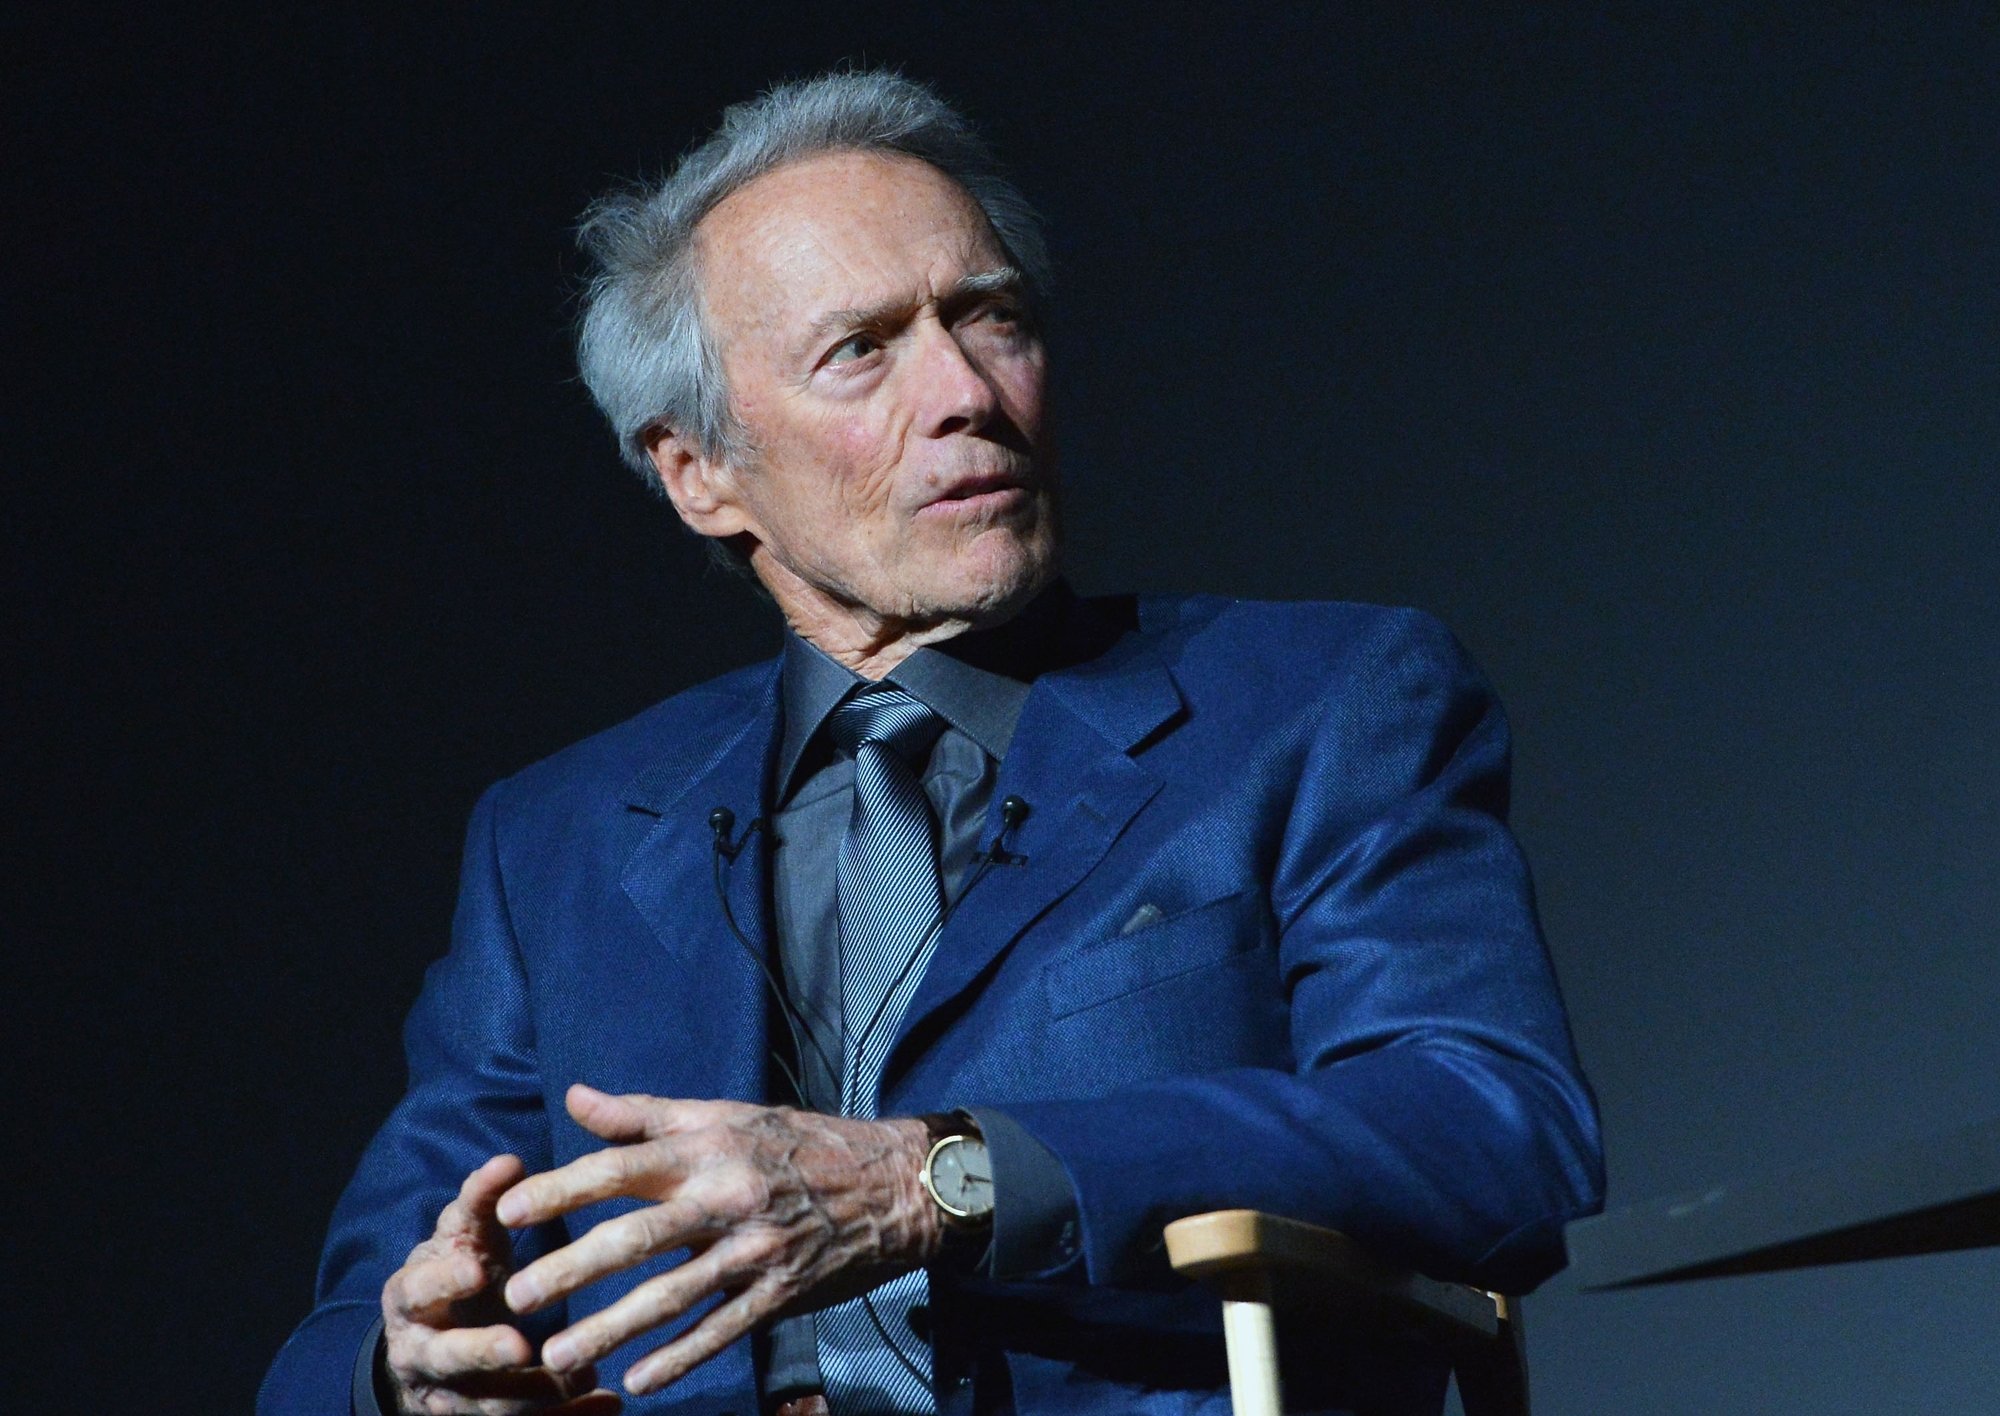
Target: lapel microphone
(722,821)
(1013,811)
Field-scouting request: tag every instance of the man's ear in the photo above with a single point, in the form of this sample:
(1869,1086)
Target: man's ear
(701,487)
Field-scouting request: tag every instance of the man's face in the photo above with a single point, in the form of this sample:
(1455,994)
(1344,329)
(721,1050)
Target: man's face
(879,355)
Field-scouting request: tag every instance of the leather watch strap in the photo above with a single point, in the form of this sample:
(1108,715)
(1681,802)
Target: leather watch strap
(939,1124)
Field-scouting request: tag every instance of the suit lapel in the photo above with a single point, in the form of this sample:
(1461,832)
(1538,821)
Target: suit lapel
(714,985)
(1071,762)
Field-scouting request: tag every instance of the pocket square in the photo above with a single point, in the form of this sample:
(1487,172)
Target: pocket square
(1141,917)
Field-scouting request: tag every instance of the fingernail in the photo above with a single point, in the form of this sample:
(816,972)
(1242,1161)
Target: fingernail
(560,1353)
(512,1209)
(523,1293)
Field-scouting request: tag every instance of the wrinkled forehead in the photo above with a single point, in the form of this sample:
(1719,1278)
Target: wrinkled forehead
(845,230)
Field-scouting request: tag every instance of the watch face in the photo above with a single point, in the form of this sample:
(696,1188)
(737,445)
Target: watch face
(962,1177)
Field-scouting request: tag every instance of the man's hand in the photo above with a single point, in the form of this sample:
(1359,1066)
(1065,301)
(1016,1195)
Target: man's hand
(785,1211)
(449,1347)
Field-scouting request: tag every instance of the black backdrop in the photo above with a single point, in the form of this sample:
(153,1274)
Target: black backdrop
(1656,349)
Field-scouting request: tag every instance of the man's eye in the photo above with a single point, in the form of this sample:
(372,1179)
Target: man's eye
(1001,320)
(855,346)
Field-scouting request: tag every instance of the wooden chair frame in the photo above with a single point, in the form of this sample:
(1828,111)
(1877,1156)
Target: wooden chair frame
(1261,1263)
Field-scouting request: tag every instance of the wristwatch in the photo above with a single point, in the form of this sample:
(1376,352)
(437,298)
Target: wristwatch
(958,1174)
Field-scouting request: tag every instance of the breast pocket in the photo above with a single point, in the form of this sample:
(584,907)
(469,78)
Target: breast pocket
(1154,953)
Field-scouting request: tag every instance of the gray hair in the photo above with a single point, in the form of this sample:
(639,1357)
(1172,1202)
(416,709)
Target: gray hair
(644,349)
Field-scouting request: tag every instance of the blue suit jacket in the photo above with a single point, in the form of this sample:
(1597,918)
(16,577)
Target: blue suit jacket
(1338,1006)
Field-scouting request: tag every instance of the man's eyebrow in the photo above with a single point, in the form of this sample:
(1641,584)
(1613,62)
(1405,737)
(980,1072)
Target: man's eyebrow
(986,282)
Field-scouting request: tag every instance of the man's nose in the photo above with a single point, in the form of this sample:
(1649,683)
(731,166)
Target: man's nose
(958,397)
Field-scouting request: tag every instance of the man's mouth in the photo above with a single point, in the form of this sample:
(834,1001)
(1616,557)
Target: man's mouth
(991,492)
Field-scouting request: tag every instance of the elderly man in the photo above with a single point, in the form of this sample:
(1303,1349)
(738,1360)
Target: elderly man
(839,1035)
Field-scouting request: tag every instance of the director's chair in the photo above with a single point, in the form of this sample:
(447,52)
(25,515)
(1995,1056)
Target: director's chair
(1262,1265)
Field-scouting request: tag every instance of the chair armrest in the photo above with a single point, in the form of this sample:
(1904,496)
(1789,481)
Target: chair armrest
(1307,1264)
(1262,1260)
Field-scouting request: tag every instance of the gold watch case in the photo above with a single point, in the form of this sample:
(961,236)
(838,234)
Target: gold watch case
(958,1176)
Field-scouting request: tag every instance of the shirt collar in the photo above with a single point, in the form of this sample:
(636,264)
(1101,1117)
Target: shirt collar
(981,703)
(811,685)
(977,682)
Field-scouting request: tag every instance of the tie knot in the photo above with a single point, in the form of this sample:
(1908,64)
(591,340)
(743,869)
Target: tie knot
(883,713)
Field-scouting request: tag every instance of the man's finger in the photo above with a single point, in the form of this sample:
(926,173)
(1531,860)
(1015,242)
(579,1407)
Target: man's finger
(424,1292)
(452,1356)
(614,1245)
(601,1175)
(653,1302)
(516,1392)
(473,1209)
(616,1118)
(718,1328)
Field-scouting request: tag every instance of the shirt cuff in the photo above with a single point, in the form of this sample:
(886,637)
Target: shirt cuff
(1035,1225)
(367,1363)
(791,1359)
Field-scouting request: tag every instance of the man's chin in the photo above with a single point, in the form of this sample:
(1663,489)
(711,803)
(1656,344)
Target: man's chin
(995,592)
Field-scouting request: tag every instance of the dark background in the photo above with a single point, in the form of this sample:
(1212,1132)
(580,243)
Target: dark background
(1656,349)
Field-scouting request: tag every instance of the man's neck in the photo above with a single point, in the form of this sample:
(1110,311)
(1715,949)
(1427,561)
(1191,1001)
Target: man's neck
(869,643)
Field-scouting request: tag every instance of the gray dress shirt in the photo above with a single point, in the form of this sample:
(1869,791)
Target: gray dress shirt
(1034,1204)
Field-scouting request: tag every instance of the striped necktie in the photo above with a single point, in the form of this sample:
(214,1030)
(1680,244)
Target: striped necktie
(871,1359)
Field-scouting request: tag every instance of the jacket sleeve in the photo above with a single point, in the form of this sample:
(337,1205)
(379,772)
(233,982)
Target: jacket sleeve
(1434,1109)
(474,1092)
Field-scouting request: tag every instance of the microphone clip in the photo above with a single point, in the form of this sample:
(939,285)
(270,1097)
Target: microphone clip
(721,822)
(1013,811)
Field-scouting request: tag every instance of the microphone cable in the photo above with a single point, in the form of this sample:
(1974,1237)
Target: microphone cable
(721,821)
(1013,811)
